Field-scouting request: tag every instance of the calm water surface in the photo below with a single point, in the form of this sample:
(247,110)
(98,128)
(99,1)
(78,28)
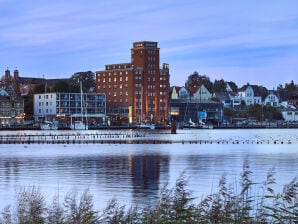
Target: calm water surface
(134,174)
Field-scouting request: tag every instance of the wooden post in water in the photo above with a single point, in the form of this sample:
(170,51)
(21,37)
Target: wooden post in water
(174,127)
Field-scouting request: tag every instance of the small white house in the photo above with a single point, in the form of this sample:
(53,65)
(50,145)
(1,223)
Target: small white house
(200,93)
(177,92)
(272,100)
(249,95)
(235,99)
(290,115)
(174,92)
(183,93)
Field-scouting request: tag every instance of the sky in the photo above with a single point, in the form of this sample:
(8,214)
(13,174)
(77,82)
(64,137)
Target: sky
(243,41)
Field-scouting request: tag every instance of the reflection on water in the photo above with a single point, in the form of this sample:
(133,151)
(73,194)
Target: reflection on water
(135,173)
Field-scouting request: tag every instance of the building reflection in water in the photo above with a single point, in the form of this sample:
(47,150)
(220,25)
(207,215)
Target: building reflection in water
(146,171)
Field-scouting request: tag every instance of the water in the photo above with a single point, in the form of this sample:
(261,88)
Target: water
(134,174)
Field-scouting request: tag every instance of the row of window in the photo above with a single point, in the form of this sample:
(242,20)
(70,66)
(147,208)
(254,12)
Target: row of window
(46,104)
(292,113)
(151,66)
(151,72)
(114,66)
(115,93)
(5,114)
(46,96)
(115,86)
(120,100)
(110,79)
(271,98)
(115,73)
(47,111)
(151,58)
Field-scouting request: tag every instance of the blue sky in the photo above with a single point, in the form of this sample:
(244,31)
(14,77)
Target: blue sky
(243,41)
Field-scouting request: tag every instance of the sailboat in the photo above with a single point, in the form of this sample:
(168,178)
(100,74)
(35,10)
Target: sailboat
(46,124)
(142,125)
(80,125)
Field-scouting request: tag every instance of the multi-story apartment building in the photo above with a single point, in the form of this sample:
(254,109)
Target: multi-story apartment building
(137,91)
(54,105)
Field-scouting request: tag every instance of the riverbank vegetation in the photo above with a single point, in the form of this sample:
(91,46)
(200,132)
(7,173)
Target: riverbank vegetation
(177,204)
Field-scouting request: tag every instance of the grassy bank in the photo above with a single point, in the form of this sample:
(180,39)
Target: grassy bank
(175,205)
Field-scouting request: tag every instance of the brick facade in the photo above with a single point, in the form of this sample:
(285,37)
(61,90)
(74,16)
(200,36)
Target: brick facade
(139,90)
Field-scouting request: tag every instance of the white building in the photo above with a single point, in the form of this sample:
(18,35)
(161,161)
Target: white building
(250,95)
(272,100)
(290,115)
(45,105)
(199,93)
(177,92)
(51,105)
(235,99)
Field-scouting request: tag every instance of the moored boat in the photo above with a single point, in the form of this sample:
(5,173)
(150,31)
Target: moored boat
(49,125)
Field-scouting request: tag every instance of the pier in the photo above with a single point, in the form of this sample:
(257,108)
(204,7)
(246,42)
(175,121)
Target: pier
(132,137)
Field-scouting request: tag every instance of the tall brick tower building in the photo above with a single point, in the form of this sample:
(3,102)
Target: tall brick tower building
(137,91)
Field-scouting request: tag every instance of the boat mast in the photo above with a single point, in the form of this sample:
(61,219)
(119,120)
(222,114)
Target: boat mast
(81,91)
(141,120)
(44,100)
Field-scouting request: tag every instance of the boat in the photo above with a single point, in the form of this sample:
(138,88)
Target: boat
(190,124)
(79,125)
(202,125)
(48,125)
(146,126)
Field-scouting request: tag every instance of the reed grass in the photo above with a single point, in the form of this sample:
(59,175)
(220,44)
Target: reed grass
(175,205)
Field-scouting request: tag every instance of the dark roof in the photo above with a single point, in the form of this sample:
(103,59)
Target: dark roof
(232,93)
(258,90)
(193,90)
(222,96)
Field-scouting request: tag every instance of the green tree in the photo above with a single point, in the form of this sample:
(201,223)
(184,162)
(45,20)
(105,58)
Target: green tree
(28,105)
(87,78)
(290,87)
(219,85)
(255,111)
(196,79)
(233,86)
(28,100)
(61,86)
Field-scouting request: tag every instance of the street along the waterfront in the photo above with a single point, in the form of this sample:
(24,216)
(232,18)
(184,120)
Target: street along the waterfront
(134,173)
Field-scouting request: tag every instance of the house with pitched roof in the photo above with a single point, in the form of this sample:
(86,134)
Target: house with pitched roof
(199,93)
(224,98)
(228,98)
(272,100)
(177,92)
(290,115)
(252,94)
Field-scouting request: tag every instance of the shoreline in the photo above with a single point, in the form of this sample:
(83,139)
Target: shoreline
(286,126)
